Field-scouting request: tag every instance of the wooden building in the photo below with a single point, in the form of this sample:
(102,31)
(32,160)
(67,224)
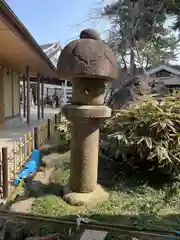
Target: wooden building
(53,51)
(20,55)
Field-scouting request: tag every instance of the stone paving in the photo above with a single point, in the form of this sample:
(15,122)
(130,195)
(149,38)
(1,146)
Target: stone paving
(16,128)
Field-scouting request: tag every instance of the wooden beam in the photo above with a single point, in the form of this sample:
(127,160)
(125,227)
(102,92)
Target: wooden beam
(38,98)
(42,98)
(28,95)
(52,81)
(24,96)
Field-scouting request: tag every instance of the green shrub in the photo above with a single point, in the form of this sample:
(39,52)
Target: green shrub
(64,129)
(146,135)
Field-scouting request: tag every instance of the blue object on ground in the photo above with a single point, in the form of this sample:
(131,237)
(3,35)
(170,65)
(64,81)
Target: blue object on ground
(30,167)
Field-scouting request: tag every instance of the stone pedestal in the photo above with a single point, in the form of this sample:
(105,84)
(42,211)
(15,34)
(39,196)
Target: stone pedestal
(85,144)
(90,64)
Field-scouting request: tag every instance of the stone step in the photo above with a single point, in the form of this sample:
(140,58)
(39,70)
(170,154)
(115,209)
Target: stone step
(23,205)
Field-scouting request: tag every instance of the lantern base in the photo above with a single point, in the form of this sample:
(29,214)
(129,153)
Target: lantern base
(80,199)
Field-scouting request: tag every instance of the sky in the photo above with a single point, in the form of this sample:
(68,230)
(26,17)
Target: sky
(57,20)
(61,20)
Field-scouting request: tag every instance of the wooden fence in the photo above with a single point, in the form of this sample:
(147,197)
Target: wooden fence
(13,160)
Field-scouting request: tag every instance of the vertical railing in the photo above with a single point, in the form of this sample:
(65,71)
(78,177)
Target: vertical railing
(5,171)
(13,161)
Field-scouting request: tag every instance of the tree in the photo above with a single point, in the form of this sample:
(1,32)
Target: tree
(173,9)
(134,21)
(161,48)
(139,38)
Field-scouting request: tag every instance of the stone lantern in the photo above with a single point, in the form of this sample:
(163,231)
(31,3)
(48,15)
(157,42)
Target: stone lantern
(88,63)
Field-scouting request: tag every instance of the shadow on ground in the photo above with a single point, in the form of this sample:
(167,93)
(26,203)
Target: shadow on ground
(43,189)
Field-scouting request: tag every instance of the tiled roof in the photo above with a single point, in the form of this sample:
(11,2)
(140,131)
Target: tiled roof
(45,46)
(124,78)
(52,50)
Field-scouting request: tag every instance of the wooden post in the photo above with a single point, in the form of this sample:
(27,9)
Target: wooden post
(42,98)
(56,121)
(36,138)
(19,78)
(65,91)
(2,96)
(59,118)
(49,128)
(24,96)
(12,91)
(28,95)
(5,172)
(38,98)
